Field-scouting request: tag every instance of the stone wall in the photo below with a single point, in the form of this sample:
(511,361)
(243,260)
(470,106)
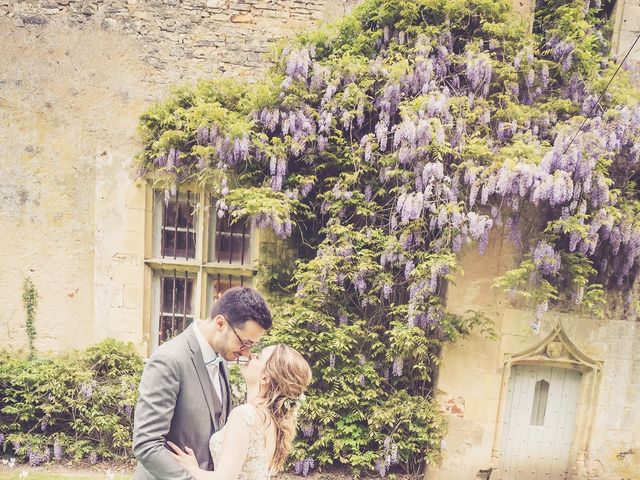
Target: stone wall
(75,77)
(183,39)
(626,28)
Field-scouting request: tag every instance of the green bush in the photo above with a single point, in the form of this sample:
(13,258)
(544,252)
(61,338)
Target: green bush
(76,406)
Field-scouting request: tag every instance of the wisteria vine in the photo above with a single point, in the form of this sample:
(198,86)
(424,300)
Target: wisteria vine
(382,147)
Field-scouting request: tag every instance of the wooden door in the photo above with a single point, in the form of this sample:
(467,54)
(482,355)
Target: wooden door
(539,423)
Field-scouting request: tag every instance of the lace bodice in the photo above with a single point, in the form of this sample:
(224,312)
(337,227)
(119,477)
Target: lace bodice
(256,465)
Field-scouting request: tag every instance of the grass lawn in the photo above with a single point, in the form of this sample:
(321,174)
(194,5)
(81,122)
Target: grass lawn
(58,472)
(33,475)
(36,474)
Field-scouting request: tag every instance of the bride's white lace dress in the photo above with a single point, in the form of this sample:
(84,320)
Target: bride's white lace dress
(257,463)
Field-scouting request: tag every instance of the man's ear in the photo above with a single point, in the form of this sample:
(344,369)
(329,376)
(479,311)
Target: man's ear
(218,321)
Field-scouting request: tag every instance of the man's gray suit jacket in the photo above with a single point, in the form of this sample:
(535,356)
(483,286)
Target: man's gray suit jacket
(177,403)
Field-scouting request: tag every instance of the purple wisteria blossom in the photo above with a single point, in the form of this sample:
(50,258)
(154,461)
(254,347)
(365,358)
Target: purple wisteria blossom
(298,64)
(328,94)
(303,467)
(478,70)
(408,268)
(269,118)
(546,259)
(57,450)
(544,76)
(437,271)
(410,206)
(563,51)
(37,458)
(86,390)
(529,77)
(541,309)
(397,367)
(307,430)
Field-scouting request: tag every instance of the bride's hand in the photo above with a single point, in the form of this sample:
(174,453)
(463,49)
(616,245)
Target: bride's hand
(185,458)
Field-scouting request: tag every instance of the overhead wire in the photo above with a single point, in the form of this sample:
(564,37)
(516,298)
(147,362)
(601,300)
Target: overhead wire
(601,95)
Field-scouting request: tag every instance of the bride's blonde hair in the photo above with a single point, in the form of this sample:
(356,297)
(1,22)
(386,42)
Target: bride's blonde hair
(288,375)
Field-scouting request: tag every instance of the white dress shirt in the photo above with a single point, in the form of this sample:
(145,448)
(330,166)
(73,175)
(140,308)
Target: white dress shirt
(209,354)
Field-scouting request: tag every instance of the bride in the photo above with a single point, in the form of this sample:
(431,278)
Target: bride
(255,441)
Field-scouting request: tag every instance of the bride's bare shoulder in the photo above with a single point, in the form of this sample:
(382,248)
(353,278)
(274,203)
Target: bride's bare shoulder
(245,413)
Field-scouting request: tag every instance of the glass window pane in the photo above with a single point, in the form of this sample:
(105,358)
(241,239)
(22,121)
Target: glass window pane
(240,227)
(539,407)
(190,252)
(233,249)
(177,225)
(184,246)
(171,326)
(168,243)
(185,214)
(217,284)
(176,304)
(241,249)
(169,212)
(230,244)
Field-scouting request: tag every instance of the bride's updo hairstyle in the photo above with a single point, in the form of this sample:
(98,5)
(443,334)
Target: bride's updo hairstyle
(288,376)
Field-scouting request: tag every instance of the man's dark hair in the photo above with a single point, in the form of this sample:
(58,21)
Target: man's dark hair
(241,304)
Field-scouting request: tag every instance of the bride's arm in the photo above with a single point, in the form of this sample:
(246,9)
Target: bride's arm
(235,445)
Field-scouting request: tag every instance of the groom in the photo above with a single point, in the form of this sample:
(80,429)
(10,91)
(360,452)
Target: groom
(184,391)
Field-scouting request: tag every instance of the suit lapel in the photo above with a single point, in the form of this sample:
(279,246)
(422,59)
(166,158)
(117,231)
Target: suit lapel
(203,376)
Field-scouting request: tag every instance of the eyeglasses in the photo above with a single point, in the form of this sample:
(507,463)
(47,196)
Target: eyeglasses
(244,344)
(256,348)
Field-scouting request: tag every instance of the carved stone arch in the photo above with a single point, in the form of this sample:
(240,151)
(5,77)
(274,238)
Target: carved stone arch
(557,350)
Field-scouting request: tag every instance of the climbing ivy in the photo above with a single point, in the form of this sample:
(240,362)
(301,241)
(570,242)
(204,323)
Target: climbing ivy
(30,301)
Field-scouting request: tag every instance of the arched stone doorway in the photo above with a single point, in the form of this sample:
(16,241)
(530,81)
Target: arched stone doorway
(547,405)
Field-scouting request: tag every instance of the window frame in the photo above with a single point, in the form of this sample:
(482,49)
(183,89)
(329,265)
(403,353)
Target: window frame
(200,265)
(157,299)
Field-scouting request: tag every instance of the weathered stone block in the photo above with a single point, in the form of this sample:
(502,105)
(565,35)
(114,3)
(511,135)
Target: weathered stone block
(631,18)
(221,17)
(132,296)
(243,7)
(33,19)
(241,18)
(109,24)
(142,15)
